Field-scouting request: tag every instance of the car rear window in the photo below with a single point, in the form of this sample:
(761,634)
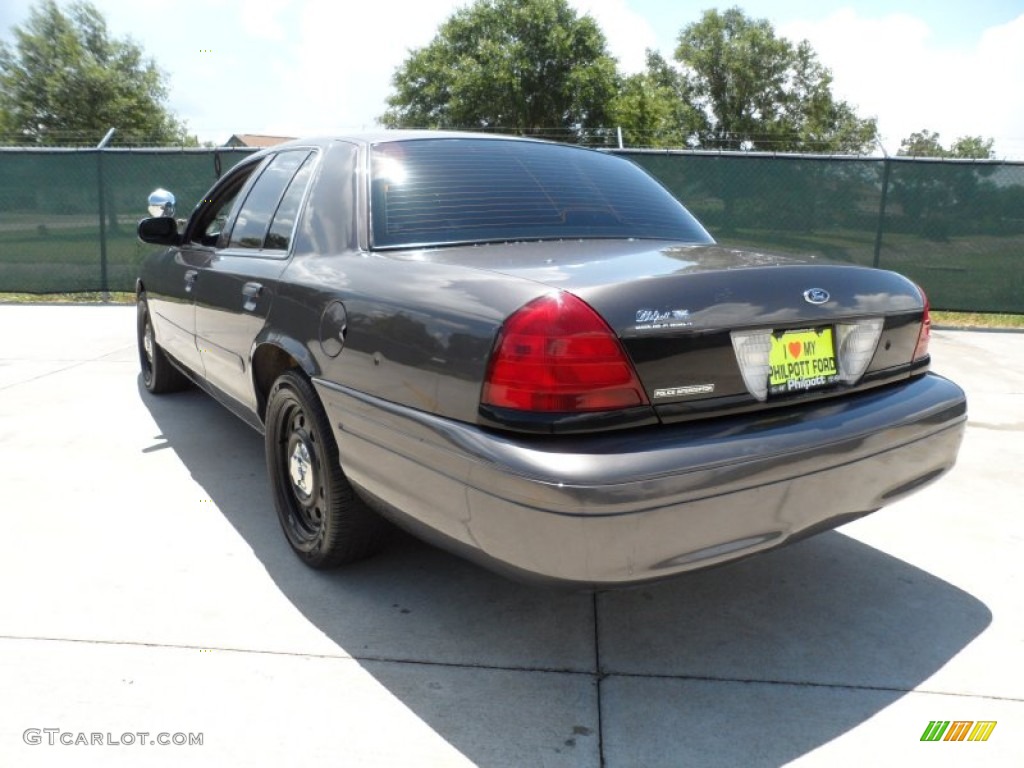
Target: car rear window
(445,191)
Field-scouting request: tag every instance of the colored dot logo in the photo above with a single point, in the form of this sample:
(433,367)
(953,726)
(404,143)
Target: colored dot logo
(206,50)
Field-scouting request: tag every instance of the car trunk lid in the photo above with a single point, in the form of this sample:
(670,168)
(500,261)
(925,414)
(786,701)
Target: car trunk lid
(700,322)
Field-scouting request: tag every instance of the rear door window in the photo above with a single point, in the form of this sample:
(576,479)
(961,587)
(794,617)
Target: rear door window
(253,221)
(283,224)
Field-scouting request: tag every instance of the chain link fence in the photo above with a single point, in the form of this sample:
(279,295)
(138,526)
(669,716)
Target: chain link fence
(67,217)
(956,227)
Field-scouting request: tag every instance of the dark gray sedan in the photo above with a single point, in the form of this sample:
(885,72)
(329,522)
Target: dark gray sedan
(533,355)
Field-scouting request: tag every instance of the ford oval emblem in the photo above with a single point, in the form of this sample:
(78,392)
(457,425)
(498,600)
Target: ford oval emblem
(816,296)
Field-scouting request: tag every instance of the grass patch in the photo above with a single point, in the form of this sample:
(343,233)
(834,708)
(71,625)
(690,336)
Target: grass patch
(88,297)
(977,320)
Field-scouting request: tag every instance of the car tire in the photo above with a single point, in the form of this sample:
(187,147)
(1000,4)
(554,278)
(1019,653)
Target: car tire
(158,373)
(325,522)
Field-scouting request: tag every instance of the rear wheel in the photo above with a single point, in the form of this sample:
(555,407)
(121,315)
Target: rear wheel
(158,374)
(323,519)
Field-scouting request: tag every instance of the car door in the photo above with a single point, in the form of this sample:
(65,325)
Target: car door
(235,287)
(174,280)
(171,306)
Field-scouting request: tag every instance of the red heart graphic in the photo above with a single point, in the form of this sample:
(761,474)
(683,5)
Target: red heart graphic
(795,347)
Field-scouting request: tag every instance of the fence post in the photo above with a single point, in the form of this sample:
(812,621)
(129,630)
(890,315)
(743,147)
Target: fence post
(104,280)
(886,162)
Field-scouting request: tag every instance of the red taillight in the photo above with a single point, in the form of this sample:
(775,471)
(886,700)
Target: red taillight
(925,335)
(556,354)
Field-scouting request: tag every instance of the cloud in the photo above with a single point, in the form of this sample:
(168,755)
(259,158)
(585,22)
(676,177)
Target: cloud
(891,67)
(628,33)
(261,19)
(341,71)
(1000,68)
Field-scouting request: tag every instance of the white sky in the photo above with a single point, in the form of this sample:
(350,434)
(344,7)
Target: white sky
(302,67)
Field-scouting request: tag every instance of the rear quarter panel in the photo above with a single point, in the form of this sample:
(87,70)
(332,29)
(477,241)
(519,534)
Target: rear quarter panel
(418,334)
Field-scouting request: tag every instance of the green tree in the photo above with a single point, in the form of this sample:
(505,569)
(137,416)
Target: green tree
(530,66)
(757,90)
(653,107)
(921,144)
(65,79)
(974,147)
(926,143)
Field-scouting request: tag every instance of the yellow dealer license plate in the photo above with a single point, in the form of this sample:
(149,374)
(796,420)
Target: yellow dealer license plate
(802,360)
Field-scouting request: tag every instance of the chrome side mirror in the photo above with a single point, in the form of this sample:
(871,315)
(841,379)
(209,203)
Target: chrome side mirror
(161,203)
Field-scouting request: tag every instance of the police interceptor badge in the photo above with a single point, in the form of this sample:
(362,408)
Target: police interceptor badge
(693,389)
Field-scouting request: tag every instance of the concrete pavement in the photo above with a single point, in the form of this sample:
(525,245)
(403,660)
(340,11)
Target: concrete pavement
(147,588)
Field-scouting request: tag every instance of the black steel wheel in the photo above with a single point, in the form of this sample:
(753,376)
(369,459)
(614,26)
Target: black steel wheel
(158,374)
(324,520)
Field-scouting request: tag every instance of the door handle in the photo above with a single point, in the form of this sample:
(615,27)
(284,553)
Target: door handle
(190,279)
(251,291)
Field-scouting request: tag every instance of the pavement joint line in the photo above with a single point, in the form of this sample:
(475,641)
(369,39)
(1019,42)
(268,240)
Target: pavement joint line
(44,375)
(74,364)
(812,684)
(305,655)
(599,676)
(504,668)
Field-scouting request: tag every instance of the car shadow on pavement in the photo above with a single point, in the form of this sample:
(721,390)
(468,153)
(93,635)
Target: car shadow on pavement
(739,665)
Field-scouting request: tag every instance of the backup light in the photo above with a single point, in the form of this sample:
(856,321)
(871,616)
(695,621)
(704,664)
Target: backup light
(856,346)
(752,350)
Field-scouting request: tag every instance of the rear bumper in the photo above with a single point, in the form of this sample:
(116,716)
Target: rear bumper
(644,504)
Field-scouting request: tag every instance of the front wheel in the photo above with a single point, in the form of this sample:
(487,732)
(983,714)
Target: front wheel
(323,519)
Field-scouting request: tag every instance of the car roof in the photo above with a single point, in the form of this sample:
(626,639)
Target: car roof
(387,136)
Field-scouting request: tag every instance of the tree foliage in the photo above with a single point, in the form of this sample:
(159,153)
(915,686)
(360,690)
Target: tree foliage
(926,143)
(65,79)
(756,90)
(530,66)
(653,107)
